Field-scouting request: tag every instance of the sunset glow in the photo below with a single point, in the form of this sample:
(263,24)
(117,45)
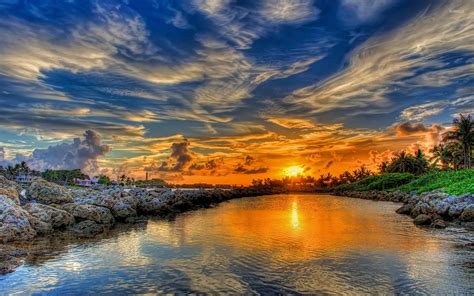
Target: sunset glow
(293,171)
(225,92)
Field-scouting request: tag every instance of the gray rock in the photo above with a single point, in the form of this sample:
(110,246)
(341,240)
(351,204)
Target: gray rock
(441,208)
(14,221)
(94,213)
(455,210)
(87,228)
(421,208)
(405,209)
(48,193)
(9,189)
(439,223)
(46,218)
(422,219)
(467,214)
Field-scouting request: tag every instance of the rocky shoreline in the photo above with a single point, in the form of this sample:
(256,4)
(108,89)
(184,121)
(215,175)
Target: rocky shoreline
(47,209)
(436,209)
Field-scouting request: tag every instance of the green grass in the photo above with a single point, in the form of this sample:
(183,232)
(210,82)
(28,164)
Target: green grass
(451,182)
(380,182)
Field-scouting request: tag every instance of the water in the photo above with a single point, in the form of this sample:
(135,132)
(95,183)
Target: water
(285,243)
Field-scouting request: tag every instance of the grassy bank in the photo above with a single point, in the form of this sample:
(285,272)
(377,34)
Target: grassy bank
(451,182)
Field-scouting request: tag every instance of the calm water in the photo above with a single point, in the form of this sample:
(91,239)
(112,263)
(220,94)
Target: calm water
(285,243)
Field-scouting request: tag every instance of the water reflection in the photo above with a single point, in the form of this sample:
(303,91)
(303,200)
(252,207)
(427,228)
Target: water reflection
(280,244)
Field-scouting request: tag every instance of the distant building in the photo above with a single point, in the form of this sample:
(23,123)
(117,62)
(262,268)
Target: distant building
(86,182)
(24,178)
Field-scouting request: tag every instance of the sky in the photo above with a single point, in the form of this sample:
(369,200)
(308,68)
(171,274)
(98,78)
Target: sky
(226,91)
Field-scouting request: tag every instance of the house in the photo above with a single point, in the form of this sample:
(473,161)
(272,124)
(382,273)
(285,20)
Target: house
(24,178)
(86,182)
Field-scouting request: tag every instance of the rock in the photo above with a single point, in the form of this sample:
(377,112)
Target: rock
(438,223)
(46,192)
(120,203)
(455,210)
(422,219)
(9,189)
(421,208)
(441,208)
(9,263)
(94,213)
(46,218)
(405,209)
(87,228)
(467,214)
(14,221)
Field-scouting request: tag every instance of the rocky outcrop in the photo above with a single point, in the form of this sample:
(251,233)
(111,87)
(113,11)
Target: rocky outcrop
(46,218)
(438,206)
(87,228)
(14,221)
(48,193)
(98,214)
(9,189)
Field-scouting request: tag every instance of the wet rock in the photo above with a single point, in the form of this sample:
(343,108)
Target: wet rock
(14,221)
(439,223)
(455,210)
(48,193)
(405,209)
(121,204)
(94,213)
(441,208)
(467,214)
(421,208)
(87,228)
(46,218)
(9,189)
(422,219)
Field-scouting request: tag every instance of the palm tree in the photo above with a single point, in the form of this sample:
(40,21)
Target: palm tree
(463,133)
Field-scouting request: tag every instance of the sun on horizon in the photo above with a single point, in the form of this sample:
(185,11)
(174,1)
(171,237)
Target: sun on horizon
(293,171)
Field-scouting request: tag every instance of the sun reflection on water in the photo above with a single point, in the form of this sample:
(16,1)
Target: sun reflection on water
(295,220)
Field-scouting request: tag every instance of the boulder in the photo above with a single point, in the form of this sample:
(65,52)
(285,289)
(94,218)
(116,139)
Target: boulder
(422,219)
(441,207)
(421,208)
(14,221)
(455,210)
(405,209)
(100,215)
(467,214)
(46,192)
(439,223)
(45,218)
(9,189)
(87,228)
(120,203)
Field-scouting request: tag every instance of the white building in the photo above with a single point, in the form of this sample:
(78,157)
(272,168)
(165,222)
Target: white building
(86,182)
(23,178)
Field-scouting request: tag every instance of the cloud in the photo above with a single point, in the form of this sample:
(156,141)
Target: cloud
(180,159)
(329,164)
(249,167)
(80,154)
(362,11)
(292,123)
(288,11)
(422,111)
(387,63)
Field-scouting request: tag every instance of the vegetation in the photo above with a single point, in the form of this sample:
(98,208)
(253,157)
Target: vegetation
(451,182)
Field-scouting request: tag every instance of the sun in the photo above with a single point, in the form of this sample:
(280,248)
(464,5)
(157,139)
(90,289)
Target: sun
(293,170)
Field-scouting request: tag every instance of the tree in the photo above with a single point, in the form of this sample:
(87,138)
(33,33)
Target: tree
(463,134)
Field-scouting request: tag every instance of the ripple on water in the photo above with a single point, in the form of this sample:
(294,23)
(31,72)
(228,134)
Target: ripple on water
(279,244)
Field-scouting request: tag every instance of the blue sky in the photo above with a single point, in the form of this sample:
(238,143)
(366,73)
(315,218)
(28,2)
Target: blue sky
(226,80)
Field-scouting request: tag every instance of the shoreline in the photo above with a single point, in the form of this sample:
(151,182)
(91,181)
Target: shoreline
(432,209)
(51,210)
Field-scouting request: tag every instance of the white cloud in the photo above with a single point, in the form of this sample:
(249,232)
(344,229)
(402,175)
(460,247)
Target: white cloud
(362,11)
(379,65)
(423,111)
(288,11)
